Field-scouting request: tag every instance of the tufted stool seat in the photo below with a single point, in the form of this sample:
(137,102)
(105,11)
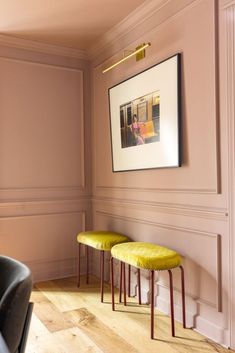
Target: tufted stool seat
(146,256)
(101,240)
(150,257)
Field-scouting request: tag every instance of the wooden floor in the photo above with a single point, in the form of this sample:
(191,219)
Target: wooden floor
(71,320)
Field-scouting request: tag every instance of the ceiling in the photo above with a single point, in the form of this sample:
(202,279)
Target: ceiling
(69,23)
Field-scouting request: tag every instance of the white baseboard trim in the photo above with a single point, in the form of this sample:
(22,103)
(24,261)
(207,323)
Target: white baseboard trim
(196,322)
(163,305)
(210,330)
(44,270)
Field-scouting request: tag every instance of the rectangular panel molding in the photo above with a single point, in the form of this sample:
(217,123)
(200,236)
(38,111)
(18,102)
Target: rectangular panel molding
(42,133)
(204,249)
(46,242)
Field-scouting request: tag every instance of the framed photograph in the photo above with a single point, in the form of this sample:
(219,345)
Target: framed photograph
(145,117)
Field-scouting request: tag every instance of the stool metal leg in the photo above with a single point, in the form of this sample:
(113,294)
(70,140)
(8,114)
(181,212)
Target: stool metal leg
(102,275)
(183,296)
(152,304)
(129,281)
(79,255)
(112,283)
(87,264)
(120,282)
(124,282)
(172,303)
(139,286)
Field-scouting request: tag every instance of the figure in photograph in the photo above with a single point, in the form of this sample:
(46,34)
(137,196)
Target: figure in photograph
(136,131)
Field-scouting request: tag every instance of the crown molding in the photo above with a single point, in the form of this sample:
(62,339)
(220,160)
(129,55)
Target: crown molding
(20,43)
(148,12)
(228,3)
(140,14)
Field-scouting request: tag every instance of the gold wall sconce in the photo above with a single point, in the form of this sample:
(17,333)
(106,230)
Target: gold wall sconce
(139,52)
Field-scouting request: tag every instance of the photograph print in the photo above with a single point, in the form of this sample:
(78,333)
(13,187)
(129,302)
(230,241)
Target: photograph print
(140,120)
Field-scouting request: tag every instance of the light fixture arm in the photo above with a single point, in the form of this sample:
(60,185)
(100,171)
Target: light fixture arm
(138,50)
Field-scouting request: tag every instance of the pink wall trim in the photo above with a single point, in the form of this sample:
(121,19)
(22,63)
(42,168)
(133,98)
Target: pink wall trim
(45,170)
(185,208)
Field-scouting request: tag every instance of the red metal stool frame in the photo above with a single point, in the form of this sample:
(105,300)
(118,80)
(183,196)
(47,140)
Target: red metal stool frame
(87,268)
(102,273)
(152,275)
(122,280)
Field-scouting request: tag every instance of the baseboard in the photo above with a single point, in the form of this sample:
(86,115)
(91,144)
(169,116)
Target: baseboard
(44,270)
(196,322)
(211,330)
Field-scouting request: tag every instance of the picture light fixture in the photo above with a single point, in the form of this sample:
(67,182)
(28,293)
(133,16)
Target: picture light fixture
(139,52)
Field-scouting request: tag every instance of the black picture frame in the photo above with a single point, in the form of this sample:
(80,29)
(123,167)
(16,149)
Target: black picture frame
(155,142)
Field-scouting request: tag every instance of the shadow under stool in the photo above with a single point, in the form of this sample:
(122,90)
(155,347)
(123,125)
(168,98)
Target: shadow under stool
(150,257)
(101,240)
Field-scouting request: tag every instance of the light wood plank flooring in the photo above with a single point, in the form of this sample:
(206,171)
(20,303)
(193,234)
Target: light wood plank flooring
(71,320)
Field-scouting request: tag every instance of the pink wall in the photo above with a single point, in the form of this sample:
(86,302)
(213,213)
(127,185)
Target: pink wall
(47,143)
(227,40)
(44,178)
(184,208)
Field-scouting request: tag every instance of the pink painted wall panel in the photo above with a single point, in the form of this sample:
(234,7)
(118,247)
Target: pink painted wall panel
(183,208)
(45,155)
(44,181)
(185,34)
(41,125)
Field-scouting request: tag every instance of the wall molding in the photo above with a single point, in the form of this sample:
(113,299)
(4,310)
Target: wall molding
(156,190)
(62,190)
(49,269)
(211,330)
(140,14)
(42,193)
(46,268)
(178,290)
(228,3)
(39,63)
(220,214)
(163,305)
(81,212)
(143,13)
(43,207)
(158,224)
(82,128)
(229,17)
(20,43)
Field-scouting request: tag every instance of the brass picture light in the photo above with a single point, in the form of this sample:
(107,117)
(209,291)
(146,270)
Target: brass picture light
(139,52)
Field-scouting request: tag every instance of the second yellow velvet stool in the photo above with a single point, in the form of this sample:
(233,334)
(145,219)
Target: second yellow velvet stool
(150,257)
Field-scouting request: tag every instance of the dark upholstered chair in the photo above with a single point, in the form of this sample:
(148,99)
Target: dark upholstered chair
(15,309)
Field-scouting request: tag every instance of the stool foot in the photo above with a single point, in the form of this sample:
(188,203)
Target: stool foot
(120,282)
(79,255)
(102,275)
(87,264)
(152,304)
(124,282)
(139,286)
(172,303)
(112,283)
(183,296)
(129,281)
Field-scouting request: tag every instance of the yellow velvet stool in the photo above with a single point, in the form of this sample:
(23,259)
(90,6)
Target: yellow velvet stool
(150,257)
(100,240)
